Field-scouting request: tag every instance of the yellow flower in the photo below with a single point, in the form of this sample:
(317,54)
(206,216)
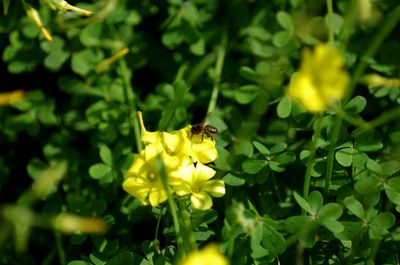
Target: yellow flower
(195,180)
(321,81)
(209,255)
(174,147)
(143,181)
(202,147)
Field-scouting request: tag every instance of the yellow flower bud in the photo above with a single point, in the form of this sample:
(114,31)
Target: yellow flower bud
(33,15)
(9,97)
(70,223)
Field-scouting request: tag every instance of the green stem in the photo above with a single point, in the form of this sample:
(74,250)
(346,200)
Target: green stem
(330,21)
(129,100)
(187,224)
(172,208)
(387,27)
(217,75)
(60,249)
(310,160)
(382,119)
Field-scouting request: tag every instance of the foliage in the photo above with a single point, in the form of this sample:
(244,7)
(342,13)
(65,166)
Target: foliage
(300,187)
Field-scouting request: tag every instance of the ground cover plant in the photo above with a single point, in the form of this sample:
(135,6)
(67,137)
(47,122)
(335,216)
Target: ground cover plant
(199,132)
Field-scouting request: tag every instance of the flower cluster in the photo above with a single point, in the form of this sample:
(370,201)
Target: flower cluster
(321,81)
(184,155)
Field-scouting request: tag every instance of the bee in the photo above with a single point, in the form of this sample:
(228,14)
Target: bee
(205,130)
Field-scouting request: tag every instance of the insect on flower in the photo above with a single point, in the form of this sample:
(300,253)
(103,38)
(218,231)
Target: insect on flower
(204,130)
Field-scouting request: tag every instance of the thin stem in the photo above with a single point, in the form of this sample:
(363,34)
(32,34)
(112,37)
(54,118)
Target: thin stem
(172,208)
(388,26)
(217,75)
(310,160)
(61,253)
(187,226)
(129,100)
(330,21)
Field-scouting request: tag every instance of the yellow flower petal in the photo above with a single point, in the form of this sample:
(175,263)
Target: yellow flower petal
(137,188)
(201,201)
(203,173)
(215,188)
(204,151)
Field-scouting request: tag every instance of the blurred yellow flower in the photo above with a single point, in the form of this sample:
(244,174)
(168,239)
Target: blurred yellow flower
(321,80)
(70,223)
(209,255)
(195,180)
(9,97)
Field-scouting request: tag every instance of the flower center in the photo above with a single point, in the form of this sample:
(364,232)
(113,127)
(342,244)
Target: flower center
(196,189)
(151,176)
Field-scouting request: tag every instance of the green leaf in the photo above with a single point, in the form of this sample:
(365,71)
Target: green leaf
(334,22)
(351,230)
(257,32)
(345,156)
(390,167)
(257,251)
(351,156)
(281,38)
(106,155)
(244,148)
(198,48)
(79,262)
(295,224)
(333,225)
(261,148)
(374,167)
(315,201)
(284,107)
(370,147)
(232,179)
(356,105)
(284,159)
(123,257)
(330,211)
(279,147)
(249,74)
(285,20)
(272,240)
(91,34)
(57,56)
(253,166)
(384,220)
(355,207)
(83,62)
(303,203)
(367,185)
(394,182)
(274,166)
(98,171)
(245,94)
